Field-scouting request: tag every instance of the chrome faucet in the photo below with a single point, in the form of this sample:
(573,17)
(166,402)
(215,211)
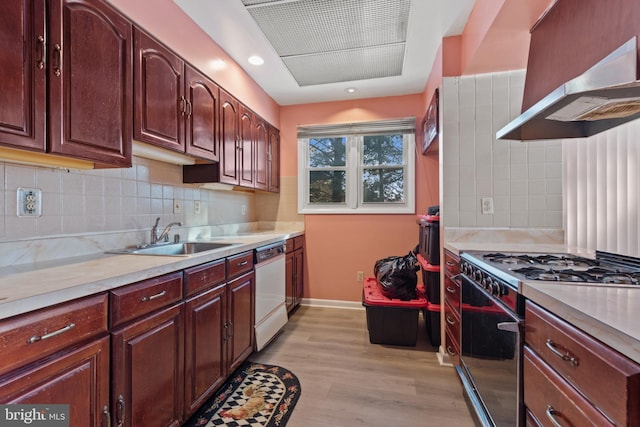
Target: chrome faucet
(164,236)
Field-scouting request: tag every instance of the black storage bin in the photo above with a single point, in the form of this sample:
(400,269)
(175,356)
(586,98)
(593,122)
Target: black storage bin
(429,243)
(390,321)
(431,280)
(432,319)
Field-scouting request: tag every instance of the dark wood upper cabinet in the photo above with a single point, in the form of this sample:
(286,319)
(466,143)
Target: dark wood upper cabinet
(247,147)
(273,157)
(86,55)
(229,139)
(23,80)
(159,94)
(260,168)
(202,103)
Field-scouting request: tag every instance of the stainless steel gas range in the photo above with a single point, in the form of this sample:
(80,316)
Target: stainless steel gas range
(492,319)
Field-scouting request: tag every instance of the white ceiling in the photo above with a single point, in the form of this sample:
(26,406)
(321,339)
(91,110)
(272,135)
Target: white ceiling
(232,27)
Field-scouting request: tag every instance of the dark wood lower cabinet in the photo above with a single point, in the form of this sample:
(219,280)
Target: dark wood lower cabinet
(205,335)
(241,317)
(148,370)
(78,377)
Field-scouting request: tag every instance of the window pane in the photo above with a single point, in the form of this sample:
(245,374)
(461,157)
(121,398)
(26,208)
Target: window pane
(382,150)
(327,186)
(327,152)
(383,185)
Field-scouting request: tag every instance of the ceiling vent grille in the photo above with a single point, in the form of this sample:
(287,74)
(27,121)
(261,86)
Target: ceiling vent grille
(331,41)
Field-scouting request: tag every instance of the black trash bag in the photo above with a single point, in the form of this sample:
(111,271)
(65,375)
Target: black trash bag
(397,276)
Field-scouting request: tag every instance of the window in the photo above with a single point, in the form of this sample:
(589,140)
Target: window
(357,168)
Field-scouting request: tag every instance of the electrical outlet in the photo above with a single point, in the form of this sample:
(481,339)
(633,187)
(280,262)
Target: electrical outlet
(29,202)
(360,276)
(244,210)
(196,207)
(486,205)
(177,206)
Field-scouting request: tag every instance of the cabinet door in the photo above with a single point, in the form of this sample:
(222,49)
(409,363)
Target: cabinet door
(246,126)
(241,319)
(78,378)
(299,276)
(274,160)
(23,79)
(260,168)
(148,368)
(201,115)
(159,94)
(229,158)
(205,336)
(290,288)
(90,82)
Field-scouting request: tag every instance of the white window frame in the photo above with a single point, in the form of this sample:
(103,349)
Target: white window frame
(353,196)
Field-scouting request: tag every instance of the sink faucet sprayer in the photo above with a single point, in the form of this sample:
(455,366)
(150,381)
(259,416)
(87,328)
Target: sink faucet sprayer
(164,236)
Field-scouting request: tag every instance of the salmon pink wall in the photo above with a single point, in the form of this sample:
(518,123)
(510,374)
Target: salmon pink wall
(337,246)
(169,24)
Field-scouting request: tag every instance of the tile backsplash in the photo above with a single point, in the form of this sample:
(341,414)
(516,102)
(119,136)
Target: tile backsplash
(78,202)
(523,179)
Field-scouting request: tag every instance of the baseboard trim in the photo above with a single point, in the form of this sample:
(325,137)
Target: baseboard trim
(329,303)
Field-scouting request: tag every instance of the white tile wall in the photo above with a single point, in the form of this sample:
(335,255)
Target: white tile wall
(524,179)
(114,200)
(601,176)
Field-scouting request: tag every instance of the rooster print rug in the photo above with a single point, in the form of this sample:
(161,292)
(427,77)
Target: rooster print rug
(255,395)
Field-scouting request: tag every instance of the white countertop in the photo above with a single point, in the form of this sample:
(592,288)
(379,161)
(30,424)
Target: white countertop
(30,287)
(611,314)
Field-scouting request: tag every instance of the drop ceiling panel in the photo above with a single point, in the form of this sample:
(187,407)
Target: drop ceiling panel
(343,38)
(348,65)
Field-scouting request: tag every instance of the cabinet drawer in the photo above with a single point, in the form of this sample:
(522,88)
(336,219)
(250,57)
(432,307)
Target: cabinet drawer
(141,298)
(452,347)
(452,322)
(577,356)
(32,336)
(298,242)
(548,396)
(451,263)
(290,245)
(452,293)
(204,276)
(239,264)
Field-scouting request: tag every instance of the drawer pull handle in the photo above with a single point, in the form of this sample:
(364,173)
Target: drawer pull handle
(450,264)
(243,263)
(450,290)
(152,297)
(57,68)
(36,338)
(106,415)
(449,320)
(40,47)
(120,410)
(451,351)
(551,414)
(565,357)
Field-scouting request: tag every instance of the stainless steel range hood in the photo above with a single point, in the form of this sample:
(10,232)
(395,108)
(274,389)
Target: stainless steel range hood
(605,96)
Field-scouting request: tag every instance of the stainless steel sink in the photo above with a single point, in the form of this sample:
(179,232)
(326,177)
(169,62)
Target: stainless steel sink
(173,249)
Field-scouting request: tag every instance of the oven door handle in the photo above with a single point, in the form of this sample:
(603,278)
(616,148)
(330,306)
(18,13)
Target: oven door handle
(509,326)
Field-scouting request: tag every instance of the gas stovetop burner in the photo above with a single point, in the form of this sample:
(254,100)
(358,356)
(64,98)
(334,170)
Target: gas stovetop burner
(551,260)
(590,275)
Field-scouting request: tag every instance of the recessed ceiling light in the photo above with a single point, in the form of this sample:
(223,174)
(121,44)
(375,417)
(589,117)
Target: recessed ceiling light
(350,89)
(256,60)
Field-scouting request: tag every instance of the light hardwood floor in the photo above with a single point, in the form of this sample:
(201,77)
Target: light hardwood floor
(347,382)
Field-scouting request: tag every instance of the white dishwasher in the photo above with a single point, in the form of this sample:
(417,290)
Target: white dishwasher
(270,309)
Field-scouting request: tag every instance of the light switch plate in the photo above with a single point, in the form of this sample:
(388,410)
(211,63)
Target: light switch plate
(177,206)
